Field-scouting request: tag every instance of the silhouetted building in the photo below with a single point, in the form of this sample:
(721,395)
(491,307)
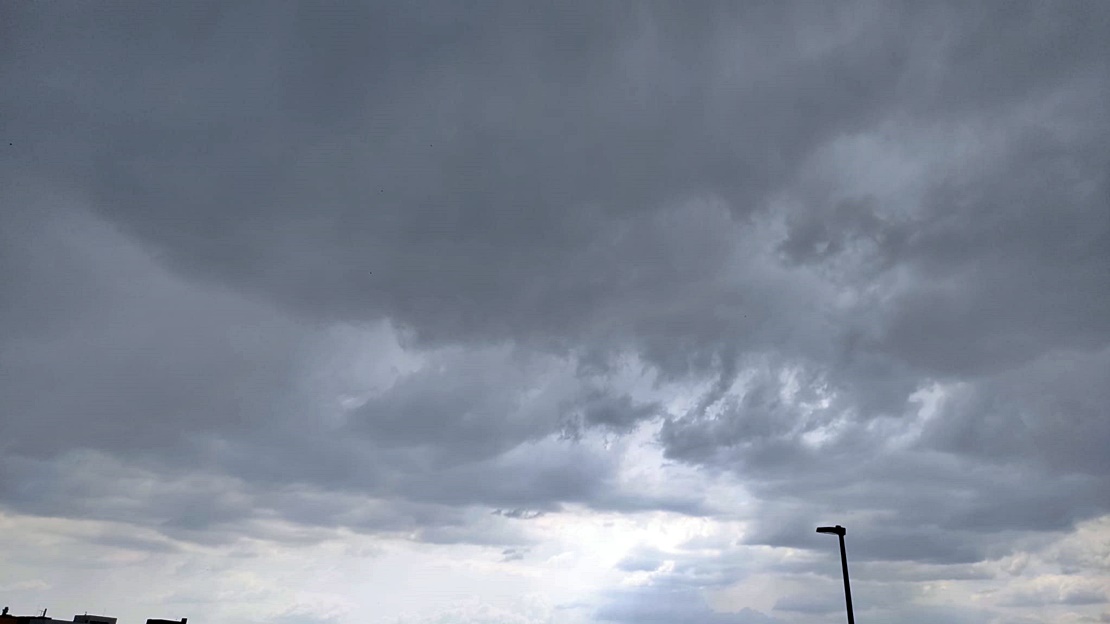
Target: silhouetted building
(93,619)
(181,621)
(6,618)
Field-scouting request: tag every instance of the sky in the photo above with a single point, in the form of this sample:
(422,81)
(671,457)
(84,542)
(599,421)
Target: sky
(555,313)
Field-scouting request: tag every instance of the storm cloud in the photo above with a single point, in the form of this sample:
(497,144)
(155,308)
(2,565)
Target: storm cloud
(485,280)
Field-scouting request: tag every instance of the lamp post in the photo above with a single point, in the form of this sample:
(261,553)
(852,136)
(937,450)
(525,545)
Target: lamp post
(839,531)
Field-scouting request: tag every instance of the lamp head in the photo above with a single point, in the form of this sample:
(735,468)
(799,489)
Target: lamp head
(835,530)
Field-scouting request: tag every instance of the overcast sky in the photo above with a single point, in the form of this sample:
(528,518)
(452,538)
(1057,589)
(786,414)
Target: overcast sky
(555,313)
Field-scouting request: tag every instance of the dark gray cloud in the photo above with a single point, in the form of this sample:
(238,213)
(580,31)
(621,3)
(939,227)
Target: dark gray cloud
(467,189)
(106,353)
(102,348)
(873,236)
(1019,413)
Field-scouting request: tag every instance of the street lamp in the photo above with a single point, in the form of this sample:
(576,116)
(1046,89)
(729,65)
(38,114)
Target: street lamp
(839,531)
